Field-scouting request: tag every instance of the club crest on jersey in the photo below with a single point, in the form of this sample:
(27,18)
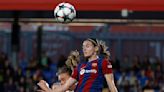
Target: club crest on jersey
(94,64)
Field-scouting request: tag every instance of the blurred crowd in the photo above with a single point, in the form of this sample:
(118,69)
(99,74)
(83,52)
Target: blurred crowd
(26,75)
(136,75)
(132,74)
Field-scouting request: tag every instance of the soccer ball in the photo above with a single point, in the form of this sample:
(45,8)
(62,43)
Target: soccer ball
(64,12)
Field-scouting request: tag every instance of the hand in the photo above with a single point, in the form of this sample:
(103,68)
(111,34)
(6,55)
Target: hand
(44,86)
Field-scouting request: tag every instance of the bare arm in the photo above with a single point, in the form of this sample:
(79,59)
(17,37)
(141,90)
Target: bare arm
(66,86)
(110,80)
(57,88)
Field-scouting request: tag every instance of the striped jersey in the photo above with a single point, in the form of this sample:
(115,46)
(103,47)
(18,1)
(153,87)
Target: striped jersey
(90,75)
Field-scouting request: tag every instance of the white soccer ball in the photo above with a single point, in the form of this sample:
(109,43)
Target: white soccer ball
(64,12)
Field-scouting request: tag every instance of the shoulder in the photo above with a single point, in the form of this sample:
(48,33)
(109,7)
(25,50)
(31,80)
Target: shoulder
(106,63)
(104,60)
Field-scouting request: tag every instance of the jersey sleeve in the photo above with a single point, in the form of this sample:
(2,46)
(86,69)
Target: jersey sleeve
(75,73)
(106,67)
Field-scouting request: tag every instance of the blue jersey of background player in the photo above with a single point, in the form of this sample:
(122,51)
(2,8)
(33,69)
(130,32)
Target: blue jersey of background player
(90,75)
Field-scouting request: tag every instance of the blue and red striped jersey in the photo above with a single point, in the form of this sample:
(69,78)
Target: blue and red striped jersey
(90,75)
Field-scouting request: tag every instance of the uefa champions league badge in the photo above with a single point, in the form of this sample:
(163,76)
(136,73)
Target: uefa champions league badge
(82,71)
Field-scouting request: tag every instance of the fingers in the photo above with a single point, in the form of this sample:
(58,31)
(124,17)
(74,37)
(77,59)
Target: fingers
(43,85)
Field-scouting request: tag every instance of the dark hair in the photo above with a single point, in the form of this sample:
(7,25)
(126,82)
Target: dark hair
(64,69)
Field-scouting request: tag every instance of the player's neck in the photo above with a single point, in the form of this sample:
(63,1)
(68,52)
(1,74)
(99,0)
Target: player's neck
(93,57)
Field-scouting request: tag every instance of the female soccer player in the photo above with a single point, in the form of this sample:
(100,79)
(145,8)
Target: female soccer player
(90,75)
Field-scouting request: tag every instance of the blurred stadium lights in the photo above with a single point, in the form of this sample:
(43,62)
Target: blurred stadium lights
(124,13)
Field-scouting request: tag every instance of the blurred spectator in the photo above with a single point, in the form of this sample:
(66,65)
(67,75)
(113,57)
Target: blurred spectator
(148,86)
(132,79)
(145,62)
(123,83)
(133,82)
(18,74)
(4,68)
(3,56)
(8,71)
(149,72)
(158,73)
(136,64)
(10,86)
(1,79)
(32,65)
(45,61)
(116,64)
(61,61)
(161,84)
(23,61)
(142,78)
(37,76)
(30,85)
(126,64)
(22,84)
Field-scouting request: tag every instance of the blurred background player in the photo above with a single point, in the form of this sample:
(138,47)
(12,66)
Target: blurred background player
(90,73)
(64,73)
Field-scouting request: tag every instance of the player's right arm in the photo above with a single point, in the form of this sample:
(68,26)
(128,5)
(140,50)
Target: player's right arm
(60,88)
(71,81)
(57,88)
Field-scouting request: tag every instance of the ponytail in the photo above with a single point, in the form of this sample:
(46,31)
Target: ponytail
(103,49)
(73,59)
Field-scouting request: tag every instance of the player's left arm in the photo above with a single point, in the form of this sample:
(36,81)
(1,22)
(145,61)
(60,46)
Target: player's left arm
(108,74)
(110,81)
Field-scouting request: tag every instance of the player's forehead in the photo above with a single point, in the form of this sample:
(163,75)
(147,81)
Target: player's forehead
(63,75)
(87,42)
